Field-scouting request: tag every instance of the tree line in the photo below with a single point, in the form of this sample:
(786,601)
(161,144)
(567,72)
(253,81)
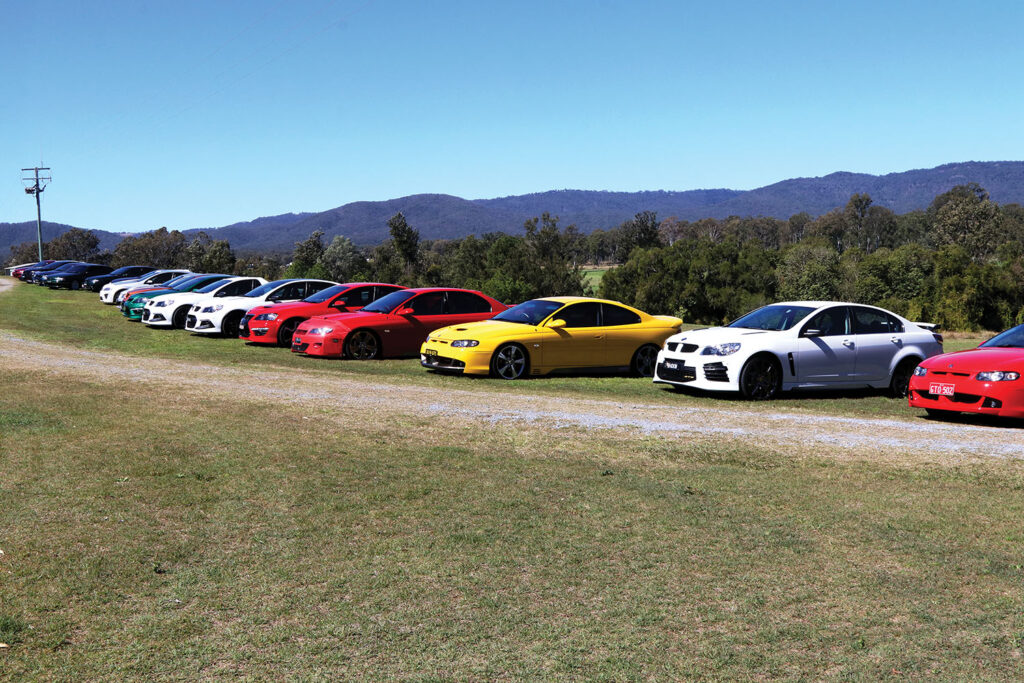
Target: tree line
(958,263)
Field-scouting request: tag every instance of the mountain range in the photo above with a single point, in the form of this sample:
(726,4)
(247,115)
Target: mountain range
(440,216)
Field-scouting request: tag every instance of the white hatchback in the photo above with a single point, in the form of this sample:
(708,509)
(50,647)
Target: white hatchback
(799,344)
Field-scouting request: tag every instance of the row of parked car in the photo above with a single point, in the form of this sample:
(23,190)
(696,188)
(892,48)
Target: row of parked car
(776,348)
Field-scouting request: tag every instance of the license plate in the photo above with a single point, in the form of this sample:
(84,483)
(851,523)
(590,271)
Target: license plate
(671,366)
(429,352)
(942,389)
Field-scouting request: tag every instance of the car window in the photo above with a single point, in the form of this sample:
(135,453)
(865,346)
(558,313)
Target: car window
(467,302)
(617,315)
(871,321)
(581,315)
(830,322)
(356,297)
(383,290)
(430,303)
(293,290)
(311,288)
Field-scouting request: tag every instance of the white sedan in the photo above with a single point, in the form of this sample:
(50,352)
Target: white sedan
(799,344)
(171,310)
(212,315)
(110,292)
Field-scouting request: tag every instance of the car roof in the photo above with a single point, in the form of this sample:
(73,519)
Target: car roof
(576,299)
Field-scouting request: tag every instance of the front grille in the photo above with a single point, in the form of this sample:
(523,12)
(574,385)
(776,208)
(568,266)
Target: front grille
(441,362)
(716,372)
(679,373)
(190,321)
(300,348)
(955,374)
(679,347)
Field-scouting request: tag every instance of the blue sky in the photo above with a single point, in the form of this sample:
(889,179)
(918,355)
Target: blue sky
(199,114)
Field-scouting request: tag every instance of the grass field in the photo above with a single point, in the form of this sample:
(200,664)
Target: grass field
(592,276)
(151,534)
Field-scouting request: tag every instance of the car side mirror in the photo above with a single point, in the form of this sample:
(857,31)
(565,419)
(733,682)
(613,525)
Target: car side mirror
(811,332)
(221,293)
(556,324)
(340,305)
(404,311)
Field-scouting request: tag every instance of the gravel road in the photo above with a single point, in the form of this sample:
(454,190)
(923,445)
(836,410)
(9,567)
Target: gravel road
(915,439)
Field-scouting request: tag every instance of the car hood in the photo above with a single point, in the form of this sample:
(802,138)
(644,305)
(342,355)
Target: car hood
(484,329)
(351,320)
(977,360)
(722,335)
(283,308)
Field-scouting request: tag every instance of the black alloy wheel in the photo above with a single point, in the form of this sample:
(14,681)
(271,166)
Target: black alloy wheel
(362,345)
(287,331)
(230,325)
(644,360)
(899,386)
(179,317)
(760,378)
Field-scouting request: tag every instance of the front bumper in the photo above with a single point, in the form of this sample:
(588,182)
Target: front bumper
(1002,399)
(328,345)
(710,373)
(132,311)
(204,323)
(440,356)
(258,331)
(155,316)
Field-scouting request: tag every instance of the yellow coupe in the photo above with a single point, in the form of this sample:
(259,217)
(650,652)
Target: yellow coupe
(556,333)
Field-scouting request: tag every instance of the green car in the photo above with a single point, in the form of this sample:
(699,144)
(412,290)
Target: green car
(131,307)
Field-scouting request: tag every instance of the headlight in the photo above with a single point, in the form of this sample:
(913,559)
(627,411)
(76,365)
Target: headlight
(721,349)
(920,371)
(998,376)
(267,316)
(163,302)
(321,330)
(213,309)
(58,279)
(464,343)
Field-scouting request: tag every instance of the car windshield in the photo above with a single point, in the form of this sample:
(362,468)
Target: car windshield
(529,312)
(213,286)
(390,302)
(1012,338)
(775,317)
(325,294)
(264,289)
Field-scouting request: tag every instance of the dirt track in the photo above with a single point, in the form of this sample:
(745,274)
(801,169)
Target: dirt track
(914,440)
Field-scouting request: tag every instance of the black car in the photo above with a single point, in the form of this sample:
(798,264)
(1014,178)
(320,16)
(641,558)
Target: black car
(29,274)
(96,282)
(74,275)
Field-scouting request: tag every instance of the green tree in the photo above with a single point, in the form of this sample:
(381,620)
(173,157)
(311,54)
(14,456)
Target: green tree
(406,240)
(307,254)
(158,248)
(342,261)
(809,271)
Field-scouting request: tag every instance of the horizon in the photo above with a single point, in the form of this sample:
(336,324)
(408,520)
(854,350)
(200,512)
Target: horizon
(197,115)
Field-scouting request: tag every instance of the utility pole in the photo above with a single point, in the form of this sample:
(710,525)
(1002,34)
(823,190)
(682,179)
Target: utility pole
(39,183)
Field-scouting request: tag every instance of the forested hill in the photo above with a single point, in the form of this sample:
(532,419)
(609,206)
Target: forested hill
(444,216)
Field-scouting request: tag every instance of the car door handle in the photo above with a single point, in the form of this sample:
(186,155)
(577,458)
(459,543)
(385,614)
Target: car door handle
(598,336)
(896,340)
(847,343)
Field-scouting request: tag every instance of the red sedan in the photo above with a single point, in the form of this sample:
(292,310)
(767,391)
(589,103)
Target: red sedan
(395,325)
(986,380)
(276,323)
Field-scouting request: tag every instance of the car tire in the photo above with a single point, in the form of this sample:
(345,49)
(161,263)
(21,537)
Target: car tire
(510,361)
(231,324)
(362,345)
(179,317)
(644,360)
(899,384)
(287,330)
(761,378)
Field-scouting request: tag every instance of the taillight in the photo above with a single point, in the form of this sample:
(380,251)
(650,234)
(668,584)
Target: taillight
(938,337)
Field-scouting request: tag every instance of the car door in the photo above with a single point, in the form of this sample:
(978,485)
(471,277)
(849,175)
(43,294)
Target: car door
(624,334)
(826,351)
(879,337)
(466,307)
(581,342)
(405,333)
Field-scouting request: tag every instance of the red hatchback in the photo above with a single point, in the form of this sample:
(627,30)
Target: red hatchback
(276,323)
(395,325)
